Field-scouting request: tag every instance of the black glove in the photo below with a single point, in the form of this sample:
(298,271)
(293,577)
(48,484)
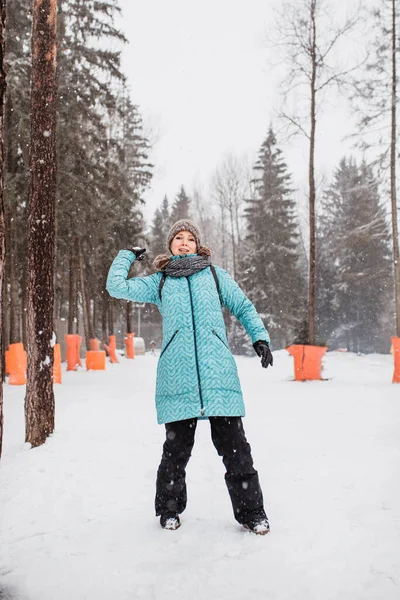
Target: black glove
(138,252)
(262,349)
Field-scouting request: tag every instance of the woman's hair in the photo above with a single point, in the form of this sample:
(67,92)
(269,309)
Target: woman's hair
(161,261)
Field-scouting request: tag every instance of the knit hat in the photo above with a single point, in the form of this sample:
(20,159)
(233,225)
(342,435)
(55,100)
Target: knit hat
(161,261)
(184,225)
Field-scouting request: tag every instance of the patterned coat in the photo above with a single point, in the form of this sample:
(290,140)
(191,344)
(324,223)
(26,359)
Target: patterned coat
(196,372)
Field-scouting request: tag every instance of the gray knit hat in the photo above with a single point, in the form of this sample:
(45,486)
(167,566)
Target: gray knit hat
(184,225)
(161,261)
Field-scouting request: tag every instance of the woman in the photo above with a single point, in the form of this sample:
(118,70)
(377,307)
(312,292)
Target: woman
(196,375)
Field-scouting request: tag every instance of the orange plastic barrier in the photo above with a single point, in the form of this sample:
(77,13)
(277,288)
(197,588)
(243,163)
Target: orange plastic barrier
(94,345)
(129,345)
(396,354)
(95,360)
(57,364)
(73,359)
(307,361)
(16,364)
(111,349)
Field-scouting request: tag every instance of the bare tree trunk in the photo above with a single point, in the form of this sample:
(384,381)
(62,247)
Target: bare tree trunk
(233,241)
(76,311)
(104,317)
(15,335)
(76,292)
(2,217)
(94,316)
(238,239)
(71,290)
(24,303)
(223,235)
(87,326)
(129,317)
(111,318)
(39,399)
(311,181)
(393,158)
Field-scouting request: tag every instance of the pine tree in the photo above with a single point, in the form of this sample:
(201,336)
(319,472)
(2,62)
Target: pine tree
(376,106)
(166,216)
(159,229)
(103,154)
(157,234)
(181,207)
(354,242)
(18,65)
(102,169)
(270,266)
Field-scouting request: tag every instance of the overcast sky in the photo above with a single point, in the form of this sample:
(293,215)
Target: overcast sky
(200,71)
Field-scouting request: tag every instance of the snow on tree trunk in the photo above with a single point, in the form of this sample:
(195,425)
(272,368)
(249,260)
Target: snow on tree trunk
(39,399)
(2,219)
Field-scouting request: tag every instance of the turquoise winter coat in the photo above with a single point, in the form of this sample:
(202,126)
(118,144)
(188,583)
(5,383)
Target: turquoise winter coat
(196,372)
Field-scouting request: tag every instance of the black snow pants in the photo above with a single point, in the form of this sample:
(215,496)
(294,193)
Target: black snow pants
(230,441)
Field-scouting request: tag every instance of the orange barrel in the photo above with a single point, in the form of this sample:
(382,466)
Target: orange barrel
(72,351)
(94,344)
(396,354)
(57,364)
(95,360)
(307,361)
(16,364)
(129,345)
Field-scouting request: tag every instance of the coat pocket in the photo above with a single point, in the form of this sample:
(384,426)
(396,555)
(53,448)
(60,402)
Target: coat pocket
(220,339)
(169,342)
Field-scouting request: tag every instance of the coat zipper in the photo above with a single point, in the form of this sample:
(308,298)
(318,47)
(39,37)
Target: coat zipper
(170,341)
(195,349)
(220,338)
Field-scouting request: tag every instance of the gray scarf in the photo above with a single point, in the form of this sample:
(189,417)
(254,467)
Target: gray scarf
(187,265)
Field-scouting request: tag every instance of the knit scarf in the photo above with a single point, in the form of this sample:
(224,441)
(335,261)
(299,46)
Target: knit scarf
(186,265)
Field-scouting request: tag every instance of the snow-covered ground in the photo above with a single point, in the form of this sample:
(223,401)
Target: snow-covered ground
(77,519)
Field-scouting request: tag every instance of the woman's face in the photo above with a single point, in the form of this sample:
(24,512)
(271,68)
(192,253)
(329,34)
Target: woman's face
(183,243)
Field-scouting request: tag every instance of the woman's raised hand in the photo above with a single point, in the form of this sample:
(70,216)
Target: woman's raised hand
(138,252)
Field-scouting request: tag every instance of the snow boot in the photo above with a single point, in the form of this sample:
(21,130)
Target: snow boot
(258,525)
(170,521)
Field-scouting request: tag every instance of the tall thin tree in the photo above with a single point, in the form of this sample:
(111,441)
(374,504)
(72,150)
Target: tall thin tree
(39,399)
(2,219)
(310,39)
(393,160)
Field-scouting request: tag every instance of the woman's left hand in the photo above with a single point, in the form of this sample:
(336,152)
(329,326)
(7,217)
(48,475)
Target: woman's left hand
(263,350)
